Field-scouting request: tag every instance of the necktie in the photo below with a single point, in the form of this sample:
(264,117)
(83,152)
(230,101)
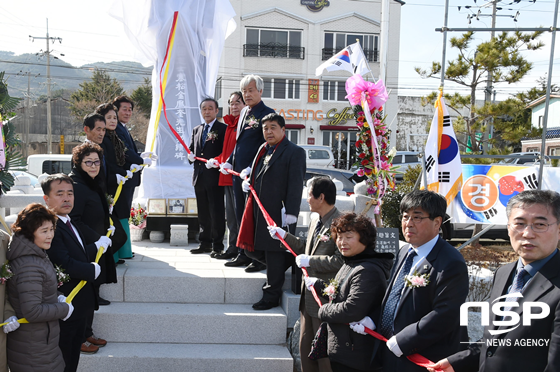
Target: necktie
(70,227)
(205,134)
(317,229)
(516,286)
(386,328)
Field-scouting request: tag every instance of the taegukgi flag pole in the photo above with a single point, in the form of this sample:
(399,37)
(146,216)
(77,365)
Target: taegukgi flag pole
(351,59)
(443,162)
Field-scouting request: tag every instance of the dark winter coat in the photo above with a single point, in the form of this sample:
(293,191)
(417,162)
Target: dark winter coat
(33,294)
(91,215)
(362,282)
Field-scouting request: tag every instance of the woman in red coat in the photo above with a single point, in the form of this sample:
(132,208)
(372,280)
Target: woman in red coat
(236,104)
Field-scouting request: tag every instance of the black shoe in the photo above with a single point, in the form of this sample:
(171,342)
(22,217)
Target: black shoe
(103,302)
(119,262)
(226,255)
(215,254)
(255,267)
(238,261)
(201,250)
(264,305)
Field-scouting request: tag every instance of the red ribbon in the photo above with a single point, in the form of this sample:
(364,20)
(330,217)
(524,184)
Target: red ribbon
(415,358)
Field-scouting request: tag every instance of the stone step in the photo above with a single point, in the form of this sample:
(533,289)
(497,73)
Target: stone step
(168,357)
(163,274)
(190,323)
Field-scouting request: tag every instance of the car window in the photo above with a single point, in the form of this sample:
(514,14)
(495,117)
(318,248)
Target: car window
(318,154)
(56,166)
(397,159)
(526,160)
(411,159)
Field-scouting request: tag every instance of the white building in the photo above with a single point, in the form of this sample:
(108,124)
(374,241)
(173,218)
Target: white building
(284,42)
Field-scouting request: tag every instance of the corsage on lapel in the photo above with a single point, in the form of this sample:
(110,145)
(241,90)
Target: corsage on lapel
(212,136)
(417,281)
(331,289)
(251,123)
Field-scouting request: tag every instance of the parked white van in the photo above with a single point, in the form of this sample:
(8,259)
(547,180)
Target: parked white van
(318,156)
(49,163)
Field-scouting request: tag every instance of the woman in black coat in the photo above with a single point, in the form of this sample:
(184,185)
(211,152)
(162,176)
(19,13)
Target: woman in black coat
(360,286)
(117,167)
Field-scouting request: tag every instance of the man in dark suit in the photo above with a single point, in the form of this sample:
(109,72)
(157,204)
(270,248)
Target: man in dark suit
(207,141)
(422,319)
(319,254)
(534,231)
(70,251)
(277,176)
(249,139)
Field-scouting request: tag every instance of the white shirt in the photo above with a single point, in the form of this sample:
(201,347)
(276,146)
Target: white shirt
(67,218)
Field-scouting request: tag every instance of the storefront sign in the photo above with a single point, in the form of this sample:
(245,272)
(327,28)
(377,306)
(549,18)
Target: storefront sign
(313,91)
(315,5)
(310,141)
(333,116)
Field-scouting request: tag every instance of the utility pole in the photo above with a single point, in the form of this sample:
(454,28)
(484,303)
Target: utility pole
(27,117)
(47,53)
(489,87)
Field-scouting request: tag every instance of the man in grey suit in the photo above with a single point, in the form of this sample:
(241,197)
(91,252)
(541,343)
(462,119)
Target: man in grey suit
(422,319)
(277,176)
(534,231)
(319,254)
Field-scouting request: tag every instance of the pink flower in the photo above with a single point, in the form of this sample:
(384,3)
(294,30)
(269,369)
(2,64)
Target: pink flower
(360,172)
(418,281)
(324,238)
(385,165)
(375,93)
(330,291)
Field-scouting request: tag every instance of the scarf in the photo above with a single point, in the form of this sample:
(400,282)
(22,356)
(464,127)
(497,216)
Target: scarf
(119,147)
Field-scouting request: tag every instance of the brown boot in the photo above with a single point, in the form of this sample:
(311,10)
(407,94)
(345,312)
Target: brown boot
(89,348)
(99,342)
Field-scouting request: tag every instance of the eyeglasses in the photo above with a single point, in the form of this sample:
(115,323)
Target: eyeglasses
(415,219)
(90,163)
(539,227)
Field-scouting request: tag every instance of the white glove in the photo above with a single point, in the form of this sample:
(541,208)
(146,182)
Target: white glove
(245,173)
(191,157)
(12,324)
(212,163)
(147,161)
(289,219)
(111,228)
(310,282)
(61,298)
(97,269)
(275,229)
(111,211)
(225,166)
(135,168)
(246,186)
(149,154)
(129,174)
(104,242)
(302,260)
(121,178)
(70,311)
(358,327)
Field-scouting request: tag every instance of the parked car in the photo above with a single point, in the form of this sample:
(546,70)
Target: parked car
(405,159)
(524,158)
(318,156)
(49,163)
(17,173)
(343,176)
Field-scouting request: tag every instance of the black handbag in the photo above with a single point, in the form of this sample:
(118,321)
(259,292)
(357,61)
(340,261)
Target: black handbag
(319,344)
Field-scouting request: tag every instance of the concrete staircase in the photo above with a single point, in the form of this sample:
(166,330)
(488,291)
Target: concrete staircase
(175,311)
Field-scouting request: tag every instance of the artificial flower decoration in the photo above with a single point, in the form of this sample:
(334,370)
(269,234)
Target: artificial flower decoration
(375,93)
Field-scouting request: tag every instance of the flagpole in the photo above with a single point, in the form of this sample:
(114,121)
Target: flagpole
(444,50)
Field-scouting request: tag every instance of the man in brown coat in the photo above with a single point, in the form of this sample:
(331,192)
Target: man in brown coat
(319,254)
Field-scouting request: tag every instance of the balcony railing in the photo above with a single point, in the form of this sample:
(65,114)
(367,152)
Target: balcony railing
(274,50)
(370,54)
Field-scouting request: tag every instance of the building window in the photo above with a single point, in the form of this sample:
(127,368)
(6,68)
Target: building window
(554,151)
(335,42)
(533,149)
(281,88)
(293,135)
(540,121)
(334,91)
(273,43)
